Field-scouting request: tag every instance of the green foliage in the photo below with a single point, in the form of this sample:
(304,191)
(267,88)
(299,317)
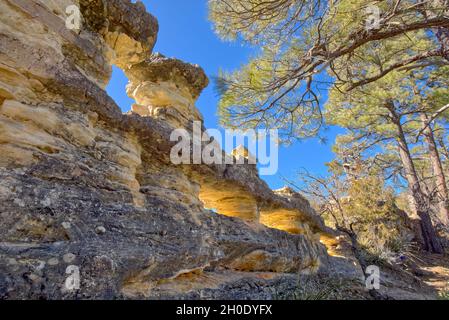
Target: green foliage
(365,113)
(369,201)
(379,81)
(260,21)
(300,42)
(246,103)
(371,207)
(356,199)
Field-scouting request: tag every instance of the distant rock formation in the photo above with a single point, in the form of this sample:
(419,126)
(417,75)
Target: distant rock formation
(83,185)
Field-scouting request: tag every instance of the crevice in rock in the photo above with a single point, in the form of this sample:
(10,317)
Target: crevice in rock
(137,220)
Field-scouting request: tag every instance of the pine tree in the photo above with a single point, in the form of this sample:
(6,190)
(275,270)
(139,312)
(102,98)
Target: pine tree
(300,41)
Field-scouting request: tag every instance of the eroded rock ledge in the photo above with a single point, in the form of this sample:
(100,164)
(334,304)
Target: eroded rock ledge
(83,184)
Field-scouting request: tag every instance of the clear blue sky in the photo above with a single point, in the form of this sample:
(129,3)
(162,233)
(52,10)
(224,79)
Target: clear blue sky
(186,33)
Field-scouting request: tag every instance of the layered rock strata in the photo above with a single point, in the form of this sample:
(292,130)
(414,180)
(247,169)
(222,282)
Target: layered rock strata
(86,186)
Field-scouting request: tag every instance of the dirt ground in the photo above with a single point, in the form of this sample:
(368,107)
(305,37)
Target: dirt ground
(421,277)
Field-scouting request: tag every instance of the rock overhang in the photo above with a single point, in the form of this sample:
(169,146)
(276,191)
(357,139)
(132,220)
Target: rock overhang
(100,165)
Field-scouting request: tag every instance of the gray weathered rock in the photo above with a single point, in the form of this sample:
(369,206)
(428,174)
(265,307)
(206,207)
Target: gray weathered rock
(83,185)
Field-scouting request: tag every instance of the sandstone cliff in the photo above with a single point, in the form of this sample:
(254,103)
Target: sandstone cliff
(83,184)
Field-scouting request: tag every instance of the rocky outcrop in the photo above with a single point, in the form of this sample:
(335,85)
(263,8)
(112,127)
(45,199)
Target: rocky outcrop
(83,185)
(166,89)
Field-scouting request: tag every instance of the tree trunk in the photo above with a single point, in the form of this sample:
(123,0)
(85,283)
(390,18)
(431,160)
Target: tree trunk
(442,33)
(437,168)
(444,150)
(431,242)
(443,38)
